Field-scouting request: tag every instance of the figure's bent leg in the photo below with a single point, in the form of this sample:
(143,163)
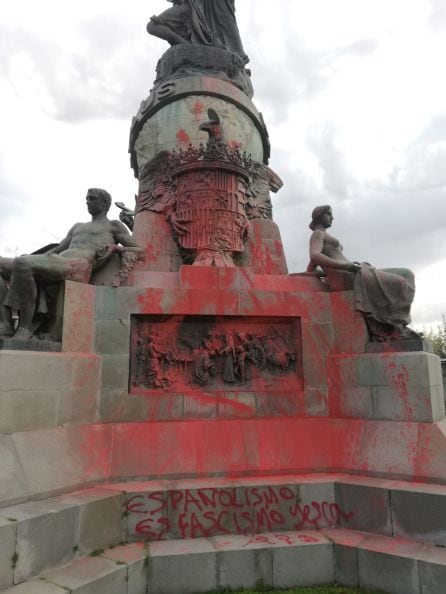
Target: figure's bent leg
(6,267)
(22,296)
(165,32)
(6,323)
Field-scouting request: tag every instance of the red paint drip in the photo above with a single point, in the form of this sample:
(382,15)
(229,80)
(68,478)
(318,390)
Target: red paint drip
(183,137)
(197,110)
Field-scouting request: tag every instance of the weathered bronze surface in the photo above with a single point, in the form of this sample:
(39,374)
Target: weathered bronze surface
(86,248)
(384,296)
(200,22)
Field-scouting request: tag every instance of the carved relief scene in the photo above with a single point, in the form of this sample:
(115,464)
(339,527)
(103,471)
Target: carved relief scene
(178,353)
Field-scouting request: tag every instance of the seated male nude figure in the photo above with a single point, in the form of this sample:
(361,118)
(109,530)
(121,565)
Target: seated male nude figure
(86,247)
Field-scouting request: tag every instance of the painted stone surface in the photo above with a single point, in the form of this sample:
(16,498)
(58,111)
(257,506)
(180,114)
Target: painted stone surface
(176,125)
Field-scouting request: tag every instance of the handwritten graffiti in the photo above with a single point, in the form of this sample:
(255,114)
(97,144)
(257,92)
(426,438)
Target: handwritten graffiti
(281,539)
(218,511)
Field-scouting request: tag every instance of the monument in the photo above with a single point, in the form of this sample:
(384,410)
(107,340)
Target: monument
(212,421)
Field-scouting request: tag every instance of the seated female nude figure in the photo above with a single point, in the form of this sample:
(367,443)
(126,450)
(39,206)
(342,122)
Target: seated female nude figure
(384,296)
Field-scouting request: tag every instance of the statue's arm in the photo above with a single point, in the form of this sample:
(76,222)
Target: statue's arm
(64,244)
(123,237)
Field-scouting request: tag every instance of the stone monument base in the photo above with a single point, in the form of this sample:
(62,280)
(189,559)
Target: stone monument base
(318,464)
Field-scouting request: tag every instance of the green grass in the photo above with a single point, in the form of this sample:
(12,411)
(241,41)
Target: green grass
(321,590)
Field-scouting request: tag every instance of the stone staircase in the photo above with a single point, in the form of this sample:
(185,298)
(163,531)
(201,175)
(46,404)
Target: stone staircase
(199,535)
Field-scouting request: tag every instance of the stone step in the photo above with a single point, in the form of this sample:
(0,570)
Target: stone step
(202,508)
(38,536)
(276,560)
(392,565)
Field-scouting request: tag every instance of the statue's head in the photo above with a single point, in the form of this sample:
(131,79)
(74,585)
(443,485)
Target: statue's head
(321,215)
(98,200)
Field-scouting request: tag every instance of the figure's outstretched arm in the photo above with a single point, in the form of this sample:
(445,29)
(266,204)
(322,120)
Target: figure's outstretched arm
(64,244)
(123,237)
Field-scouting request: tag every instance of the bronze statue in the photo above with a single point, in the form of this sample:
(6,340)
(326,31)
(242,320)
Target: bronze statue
(200,22)
(86,248)
(383,296)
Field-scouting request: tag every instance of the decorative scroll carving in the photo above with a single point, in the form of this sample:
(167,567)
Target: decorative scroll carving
(263,181)
(184,353)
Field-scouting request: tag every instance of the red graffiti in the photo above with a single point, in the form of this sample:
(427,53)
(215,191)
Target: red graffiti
(197,110)
(317,515)
(218,511)
(280,539)
(183,137)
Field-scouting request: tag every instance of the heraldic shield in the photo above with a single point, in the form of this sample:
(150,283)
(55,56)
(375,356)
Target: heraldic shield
(211,207)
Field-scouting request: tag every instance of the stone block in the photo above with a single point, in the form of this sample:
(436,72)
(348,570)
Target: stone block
(26,370)
(420,404)
(419,516)
(372,370)
(101,522)
(115,371)
(309,564)
(44,540)
(27,410)
(63,458)
(346,566)
(312,307)
(346,544)
(79,305)
(13,485)
(91,575)
(342,370)
(135,556)
(286,404)
(77,335)
(39,586)
(316,345)
(389,565)
(79,299)
(203,277)
(350,337)
(163,407)
(147,512)
(7,549)
(200,406)
(368,508)
(316,506)
(389,449)
(236,405)
(117,405)
(263,303)
(106,305)
(432,569)
(316,401)
(244,568)
(263,408)
(179,567)
(356,402)
(431,451)
(413,369)
(79,403)
(112,337)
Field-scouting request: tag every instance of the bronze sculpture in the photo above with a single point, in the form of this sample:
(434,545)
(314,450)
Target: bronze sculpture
(202,22)
(384,296)
(86,248)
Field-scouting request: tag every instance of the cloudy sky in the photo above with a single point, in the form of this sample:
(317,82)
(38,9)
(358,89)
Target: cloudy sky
(353,93)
